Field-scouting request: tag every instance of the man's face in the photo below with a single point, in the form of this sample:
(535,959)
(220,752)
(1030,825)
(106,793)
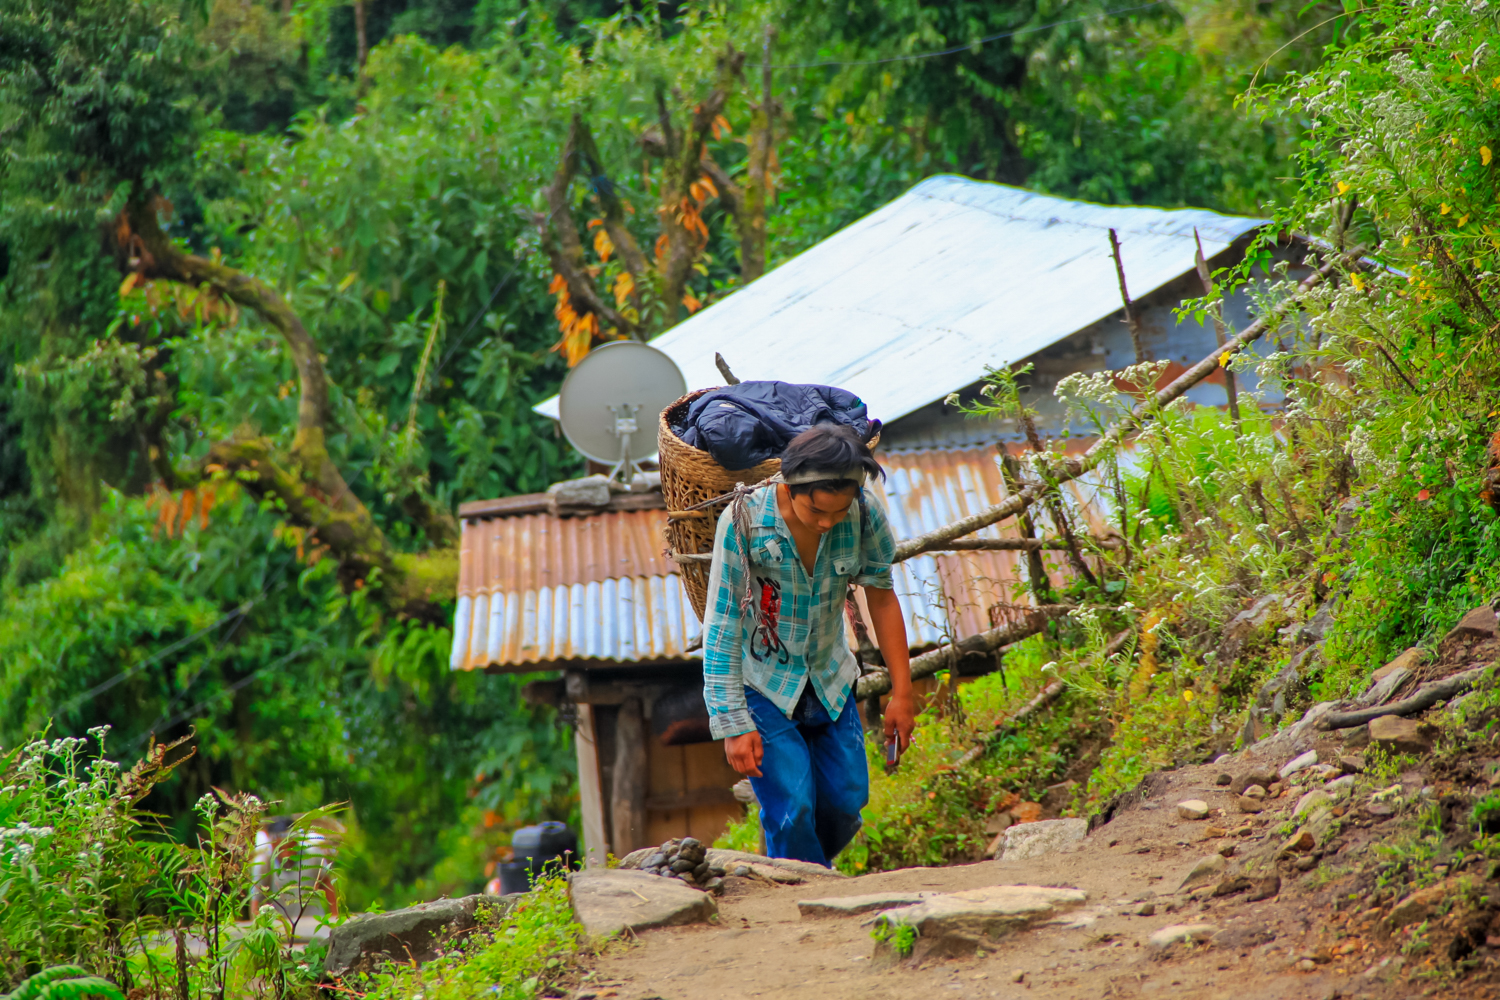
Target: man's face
(821,509)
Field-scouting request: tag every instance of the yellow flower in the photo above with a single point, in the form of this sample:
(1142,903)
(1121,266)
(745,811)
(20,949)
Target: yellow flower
(1444,208)
(1485,155)
(1406,240)
(1343,187)
(1187,696)
(1224,360)
(1462,219)
(1357,281)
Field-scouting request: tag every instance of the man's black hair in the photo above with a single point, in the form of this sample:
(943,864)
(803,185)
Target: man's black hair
(827,446)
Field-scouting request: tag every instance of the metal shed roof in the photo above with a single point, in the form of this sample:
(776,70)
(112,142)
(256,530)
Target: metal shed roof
(536,590)
(912,302)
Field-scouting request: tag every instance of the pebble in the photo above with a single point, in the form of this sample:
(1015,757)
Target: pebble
(1016,975)
(1379,810)
(1312,802)
(1300,841)
(741,871)
(1224,779)
(1181,934)
(1249,805)
(1352,764)
(1206,870)
(1242,831)
(1254,792)
(1307,965)
(1146,910)
(1213,832)
(1298,763)
(1192,809)
(1266,888)
(1306,863)
(1227,850)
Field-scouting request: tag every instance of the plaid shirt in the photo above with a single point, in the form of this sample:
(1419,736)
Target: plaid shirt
(798,631)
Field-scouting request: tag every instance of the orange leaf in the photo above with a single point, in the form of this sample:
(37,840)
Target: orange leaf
(594,222)
(603,246)
(693,305)
(559,284)
(721,126)
(131,280)
(708,183)
(624,285)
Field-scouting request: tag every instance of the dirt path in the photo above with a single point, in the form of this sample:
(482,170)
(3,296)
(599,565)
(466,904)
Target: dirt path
(761,947)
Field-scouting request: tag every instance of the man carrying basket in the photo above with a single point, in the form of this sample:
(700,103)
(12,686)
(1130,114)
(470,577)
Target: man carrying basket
(778,673)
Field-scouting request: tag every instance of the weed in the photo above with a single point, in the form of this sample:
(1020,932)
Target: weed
(1486,816)
(901,938)
(515,957)
(742,834)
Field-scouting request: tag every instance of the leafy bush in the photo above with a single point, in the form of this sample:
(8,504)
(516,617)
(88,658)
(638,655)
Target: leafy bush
(517,957)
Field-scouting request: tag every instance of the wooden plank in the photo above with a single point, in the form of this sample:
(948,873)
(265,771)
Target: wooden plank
(630,779)
(590,795)
(692,799)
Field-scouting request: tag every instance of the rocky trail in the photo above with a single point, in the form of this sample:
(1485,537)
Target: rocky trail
(1268,895)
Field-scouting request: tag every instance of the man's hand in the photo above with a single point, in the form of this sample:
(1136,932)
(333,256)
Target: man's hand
(900,718)
(744,751)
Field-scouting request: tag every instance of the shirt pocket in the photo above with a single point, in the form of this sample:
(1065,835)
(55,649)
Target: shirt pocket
(844,567)
(766,549)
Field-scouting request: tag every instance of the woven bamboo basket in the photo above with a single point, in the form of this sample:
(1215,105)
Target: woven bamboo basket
(689,476)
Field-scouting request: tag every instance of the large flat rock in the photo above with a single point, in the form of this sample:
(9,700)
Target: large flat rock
(1032,840)
(608,901)
(728,859)
(408,935)
(848,906)
(958,923)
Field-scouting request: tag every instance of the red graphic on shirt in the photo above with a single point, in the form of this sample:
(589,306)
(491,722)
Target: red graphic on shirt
(765,639)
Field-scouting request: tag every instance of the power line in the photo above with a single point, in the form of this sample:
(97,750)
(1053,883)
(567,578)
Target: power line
(967,45)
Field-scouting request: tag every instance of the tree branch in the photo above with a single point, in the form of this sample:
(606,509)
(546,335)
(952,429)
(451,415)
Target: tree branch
(1132,319)
(1073,468)
(612,209)
(1230,389)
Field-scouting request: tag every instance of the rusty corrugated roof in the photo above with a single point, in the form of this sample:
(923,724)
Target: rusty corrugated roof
(537,590)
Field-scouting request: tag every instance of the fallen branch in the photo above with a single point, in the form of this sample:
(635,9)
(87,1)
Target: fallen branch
(929,663)
(1075,468)
(1427,695)
(1019,544)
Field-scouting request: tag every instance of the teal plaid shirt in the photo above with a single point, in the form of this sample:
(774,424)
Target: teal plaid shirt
(797,629)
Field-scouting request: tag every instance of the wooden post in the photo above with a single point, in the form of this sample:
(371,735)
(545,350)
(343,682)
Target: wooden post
(628,795)
(1132,318)
(590,795)
(1230,389)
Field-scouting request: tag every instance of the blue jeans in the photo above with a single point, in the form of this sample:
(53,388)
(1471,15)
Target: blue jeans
(816,779)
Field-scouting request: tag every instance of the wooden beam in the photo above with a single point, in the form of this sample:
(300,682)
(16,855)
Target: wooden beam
(692,799)
(590,794)
(628,794)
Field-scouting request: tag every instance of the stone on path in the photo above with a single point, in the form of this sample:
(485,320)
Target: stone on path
(848,906)
(610,900)
(407,935)
(721,858)
(1032,840)
(1302,840)
(958,923)
(1192,809)
(1398,735)
(1249,804)
(1206,870)
(1298,764)
(1265,888)
(1313,801)
(1162,940)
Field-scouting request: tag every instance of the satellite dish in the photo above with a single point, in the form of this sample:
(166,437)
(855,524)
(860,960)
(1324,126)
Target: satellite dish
(609,404)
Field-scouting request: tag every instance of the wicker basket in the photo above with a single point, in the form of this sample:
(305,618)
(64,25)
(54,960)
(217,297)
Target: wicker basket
(690,476)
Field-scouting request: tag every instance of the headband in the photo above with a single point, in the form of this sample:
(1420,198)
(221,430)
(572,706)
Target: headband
(856,473)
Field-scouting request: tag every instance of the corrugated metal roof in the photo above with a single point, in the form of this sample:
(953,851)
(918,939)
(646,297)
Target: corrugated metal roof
(537,590)
(914,300)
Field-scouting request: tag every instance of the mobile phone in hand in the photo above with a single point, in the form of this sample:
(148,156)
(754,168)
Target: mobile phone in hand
(892,754)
